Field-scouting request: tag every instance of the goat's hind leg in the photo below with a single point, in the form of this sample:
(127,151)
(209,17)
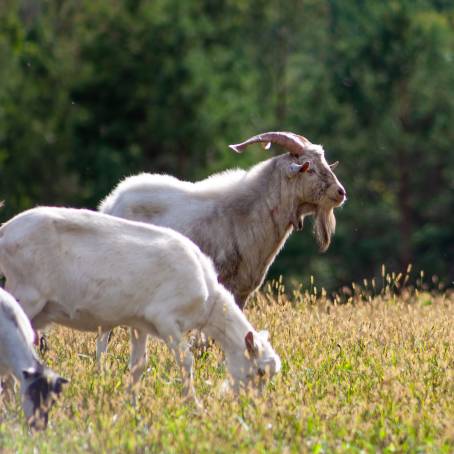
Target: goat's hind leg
(102,342)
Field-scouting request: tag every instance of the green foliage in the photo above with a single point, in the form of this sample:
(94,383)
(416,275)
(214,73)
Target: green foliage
(92,91)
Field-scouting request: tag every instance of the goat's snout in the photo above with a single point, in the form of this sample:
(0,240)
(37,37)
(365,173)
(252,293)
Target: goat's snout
(338,194)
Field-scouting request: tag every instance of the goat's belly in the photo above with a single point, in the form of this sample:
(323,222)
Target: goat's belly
(83,320)
(91,320)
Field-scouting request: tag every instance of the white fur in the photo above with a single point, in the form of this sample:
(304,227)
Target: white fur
(88,270)
(16,338)
(17,354)
(240,219)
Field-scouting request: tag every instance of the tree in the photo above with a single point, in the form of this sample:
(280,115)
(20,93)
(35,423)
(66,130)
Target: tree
(93,91)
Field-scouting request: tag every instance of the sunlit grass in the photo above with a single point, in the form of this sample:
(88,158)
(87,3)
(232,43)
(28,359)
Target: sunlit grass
(375,374)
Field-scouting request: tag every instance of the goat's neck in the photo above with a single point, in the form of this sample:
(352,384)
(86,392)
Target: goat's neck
(269,218)
(21,358)
(227,324)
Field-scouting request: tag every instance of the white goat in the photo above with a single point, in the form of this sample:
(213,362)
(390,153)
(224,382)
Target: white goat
(39,385)
(240,219)
(87,270)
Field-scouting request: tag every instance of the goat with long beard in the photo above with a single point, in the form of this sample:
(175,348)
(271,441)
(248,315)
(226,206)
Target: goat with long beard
(241,219)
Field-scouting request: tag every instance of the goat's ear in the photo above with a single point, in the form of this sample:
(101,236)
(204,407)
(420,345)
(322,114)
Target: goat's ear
(295,169)
(58,384)
(62,381)
(250,344)
(334,165)
(305,167)
(30,373)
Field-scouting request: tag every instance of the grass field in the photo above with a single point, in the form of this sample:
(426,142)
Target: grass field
(373,375)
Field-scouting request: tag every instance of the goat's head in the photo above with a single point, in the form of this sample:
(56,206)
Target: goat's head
(316,186)
(41,387)
(255,363)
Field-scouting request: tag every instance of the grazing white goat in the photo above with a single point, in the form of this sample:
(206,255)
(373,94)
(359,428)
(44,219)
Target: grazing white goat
(87,270)
(39,385)
(241,219)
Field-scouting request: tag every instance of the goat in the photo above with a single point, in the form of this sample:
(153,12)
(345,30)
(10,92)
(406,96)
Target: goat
(87,270)
(39,385)
(241,219)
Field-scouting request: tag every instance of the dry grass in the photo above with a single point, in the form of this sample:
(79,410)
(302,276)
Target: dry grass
(373,375)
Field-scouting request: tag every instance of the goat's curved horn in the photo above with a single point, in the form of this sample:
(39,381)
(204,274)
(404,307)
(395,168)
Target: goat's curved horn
(294,143)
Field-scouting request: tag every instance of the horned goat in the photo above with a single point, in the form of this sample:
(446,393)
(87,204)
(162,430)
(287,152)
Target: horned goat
(241,219)
(39,385)
(86,270)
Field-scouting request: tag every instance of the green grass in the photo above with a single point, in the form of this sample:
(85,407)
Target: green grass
(373,375)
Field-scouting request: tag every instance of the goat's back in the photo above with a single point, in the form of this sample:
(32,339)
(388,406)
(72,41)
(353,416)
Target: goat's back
(170,202)
(100,265)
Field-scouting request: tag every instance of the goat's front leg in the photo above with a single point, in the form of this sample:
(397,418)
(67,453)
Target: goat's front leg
(138,359)
(185,361)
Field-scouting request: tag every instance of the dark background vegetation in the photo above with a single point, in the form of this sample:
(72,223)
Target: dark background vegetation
(94,90)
